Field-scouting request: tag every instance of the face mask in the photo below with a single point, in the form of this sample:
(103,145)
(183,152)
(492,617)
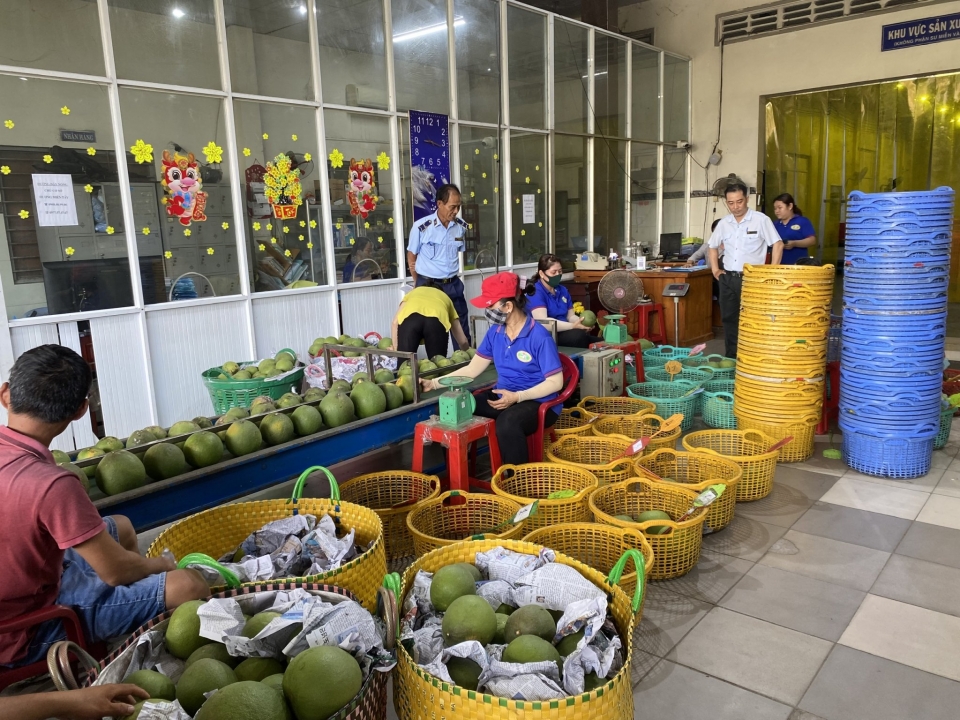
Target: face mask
(554,281)
(496,317)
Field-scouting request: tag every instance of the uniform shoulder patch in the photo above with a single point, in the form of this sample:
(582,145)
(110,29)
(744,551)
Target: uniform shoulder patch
(423,226)
(460,221)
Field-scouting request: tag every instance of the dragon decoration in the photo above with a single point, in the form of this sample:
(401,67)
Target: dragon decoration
(362,188)
(185,198)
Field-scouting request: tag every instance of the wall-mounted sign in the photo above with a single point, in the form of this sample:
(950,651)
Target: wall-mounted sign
(429,159)
(924,31)
(84,136)
(56,205)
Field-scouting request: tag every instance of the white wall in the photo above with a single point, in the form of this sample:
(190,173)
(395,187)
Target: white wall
(841,53)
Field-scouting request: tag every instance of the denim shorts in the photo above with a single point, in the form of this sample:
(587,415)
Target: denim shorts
(105,612)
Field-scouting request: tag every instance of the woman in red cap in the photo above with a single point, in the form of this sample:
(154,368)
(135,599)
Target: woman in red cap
(527,363)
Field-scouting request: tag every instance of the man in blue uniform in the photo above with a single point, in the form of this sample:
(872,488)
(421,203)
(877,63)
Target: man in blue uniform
(433,253)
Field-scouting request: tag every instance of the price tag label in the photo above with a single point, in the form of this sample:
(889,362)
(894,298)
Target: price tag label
(526,511)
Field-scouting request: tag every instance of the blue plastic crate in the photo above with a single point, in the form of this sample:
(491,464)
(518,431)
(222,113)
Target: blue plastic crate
(887,456)
(942,194)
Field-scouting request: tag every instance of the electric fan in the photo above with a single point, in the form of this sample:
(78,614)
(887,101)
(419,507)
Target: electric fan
(620,291)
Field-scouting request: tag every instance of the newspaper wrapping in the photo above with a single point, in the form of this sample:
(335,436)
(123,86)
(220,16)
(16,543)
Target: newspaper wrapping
(520,681)
(502,564)
(496,592)
(471,650)
(554,586)
(162,710)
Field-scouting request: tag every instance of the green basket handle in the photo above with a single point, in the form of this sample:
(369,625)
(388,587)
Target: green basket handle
(298,487)
(392,582)
(617,572)
(289,350)
(201,559)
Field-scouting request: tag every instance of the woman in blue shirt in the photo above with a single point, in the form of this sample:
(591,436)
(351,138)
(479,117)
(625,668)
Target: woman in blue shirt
(527,363)
(795,230)
(552,300)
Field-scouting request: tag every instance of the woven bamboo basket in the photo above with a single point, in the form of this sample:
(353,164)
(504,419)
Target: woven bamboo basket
(676,551)
(597,455)
(392,494)
(697,471)
(417,695)
(802,430)
(572,421)
(454,516)
(220,530)
(633,427)
(535,482)
(597,546)
(615,406)
(748,449)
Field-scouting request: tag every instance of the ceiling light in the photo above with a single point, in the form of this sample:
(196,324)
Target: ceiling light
(178,13)
(428,30)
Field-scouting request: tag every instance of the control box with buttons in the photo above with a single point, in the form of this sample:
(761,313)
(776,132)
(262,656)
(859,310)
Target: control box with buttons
(604,373)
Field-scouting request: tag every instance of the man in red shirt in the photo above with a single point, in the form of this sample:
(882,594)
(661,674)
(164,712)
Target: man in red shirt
(56,548)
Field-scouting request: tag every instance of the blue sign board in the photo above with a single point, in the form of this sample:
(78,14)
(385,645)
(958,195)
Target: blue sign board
(429,159)
(924,31)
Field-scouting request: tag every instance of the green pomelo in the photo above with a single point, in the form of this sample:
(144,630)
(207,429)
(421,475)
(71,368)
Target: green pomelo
(215,651)
(505,609)
(200,678)
(109,444)
(120,471)
(306,420)
(393,394)
(158,432)
(385,343)
(258,668)
(569,643)
(464,672)
(472,569)
(203,449)
(501,627)
(81,475)
(530,620)
(341,385)
(359,378)
(646,344)
(448,584)
(337,409)
(137,708)
(285,354)
(202,422)
(320,681)
(624,518)
(258,622)
(427,365)
(242,375)
(405,368)
(183,630)
(654,515)
(588,319)
(139,437)
(164,461)
(314,394)
(157,685)
(342,340)
(556,615)
(728,363)
(471,352)
(182,427)
(266,366)
(237,413)
(276,429)
(469,617)
(60,457)
(245,700)
(242,438)
(530,648)
(460,356)
(444,362)
(382,376)
(274,681)
(289,400)
(591,682)
(230,367)
(405,383)
(284,364)
(315,349)
(91,470)
(368,400)
(262,408)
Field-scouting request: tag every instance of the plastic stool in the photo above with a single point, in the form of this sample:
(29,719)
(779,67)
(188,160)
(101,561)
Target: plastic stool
(645,327)
(457,441)
(831,399)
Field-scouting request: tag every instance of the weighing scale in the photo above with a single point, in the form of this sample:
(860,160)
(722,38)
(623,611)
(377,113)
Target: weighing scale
(457,403)
(676,291)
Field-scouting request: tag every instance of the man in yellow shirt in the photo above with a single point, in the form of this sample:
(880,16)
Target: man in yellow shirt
(427,315)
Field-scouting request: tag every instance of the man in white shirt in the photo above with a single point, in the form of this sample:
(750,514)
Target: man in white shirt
(745,236)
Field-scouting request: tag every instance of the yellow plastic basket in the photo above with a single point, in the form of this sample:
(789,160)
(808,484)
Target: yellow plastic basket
(598,546)
(572,421)
(454,516)
(746,448)
(677,550)
(598,455)
(392,494)
(801,429)
(814,274)
(615,406)
(525,484)
(697,472)
(220,530)
(634,427)
(418,695)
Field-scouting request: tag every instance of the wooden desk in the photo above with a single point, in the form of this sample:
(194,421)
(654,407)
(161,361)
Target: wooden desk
(696,308)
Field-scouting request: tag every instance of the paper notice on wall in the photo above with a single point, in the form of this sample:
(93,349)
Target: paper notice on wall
(56,205)
(529,211)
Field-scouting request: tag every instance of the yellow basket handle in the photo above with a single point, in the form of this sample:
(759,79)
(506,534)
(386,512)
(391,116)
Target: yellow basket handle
(617,572)
(707,450)
(757,437)
(200,559)
(298,487)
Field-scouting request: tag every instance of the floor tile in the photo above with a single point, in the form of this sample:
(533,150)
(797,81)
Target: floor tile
(786,502)
(858,527)
(753,654)
(673,691)
(924,483)
(950,481)
(667,617)
(906,634)
(873,497)
(933,543)
(918,582)
(819,463)
(941,510)
(711,578)
(800,603)
(856,686)
(810,484)
(641,664)
(744,538)
(824,559)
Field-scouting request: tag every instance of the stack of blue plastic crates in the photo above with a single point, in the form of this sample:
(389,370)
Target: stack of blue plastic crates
(896,274)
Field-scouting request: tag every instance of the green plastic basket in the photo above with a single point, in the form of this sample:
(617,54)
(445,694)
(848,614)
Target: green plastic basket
(700,361)
(946,422)
(718,408)
(660,356)
(696,375)
(679,396)
(229,393)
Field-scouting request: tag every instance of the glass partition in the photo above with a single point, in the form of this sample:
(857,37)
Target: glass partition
(420,54)
(478,60)
(480,184)
(609,195)
(676,98)
(527,65)
(42,35)
(570,84)
(645,117)
(610,86)
(570,195)
(352,53)
(528,203)
(644,179)
(674,190)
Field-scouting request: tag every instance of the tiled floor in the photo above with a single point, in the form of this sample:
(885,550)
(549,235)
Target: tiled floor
(837,597)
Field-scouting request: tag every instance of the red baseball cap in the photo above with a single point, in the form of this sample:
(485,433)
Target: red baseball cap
(496,288)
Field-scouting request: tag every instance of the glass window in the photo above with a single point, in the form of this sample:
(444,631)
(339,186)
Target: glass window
(269,49)
(643,195)
(528,176)
(406,182)
(181,185)
(610,85)
(480,183)
(284,228)
(526,60)
(51,262)
(361,195)
(478,59)
(352,60)
(676,98)
(420,54)
(570,68)
(570,203)
(51,36)
(645,119)
(609,194)
(674,189)
(164,42)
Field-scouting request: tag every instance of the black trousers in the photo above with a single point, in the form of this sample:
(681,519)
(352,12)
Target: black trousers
(514,425)
(731,288)
(575,338)
(454,291)
(417,327)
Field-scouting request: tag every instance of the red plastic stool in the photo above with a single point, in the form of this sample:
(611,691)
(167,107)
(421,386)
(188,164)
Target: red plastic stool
(645,329)
(831,399)
(457,441)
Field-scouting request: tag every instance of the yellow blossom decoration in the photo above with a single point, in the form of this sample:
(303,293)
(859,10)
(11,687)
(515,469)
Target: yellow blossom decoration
(262,247)
(308,157)
(380,239)
(246,152)
(518,201)
(537,167)
(313,223)
(466,167)
(527,179)
(540,224)
(269,226)
(496,157)
(286,229)
(336,159)
(383,161)
(48,159)
(266,136)
(538,191)
(213,152)
(5,169)
(352,241)
(69,251)
(187,232)
(496,189)
(168,254)
(24,214)
(484,175)
(8,124)
(300,238)
(91,151)
(287,253)
(523,232)
(485,201)
(476,151)
(142,152)
(472,194)
(145,231)
(273,241)
(225,225)
(339,226)
(110,230)
(310,245)
(390,220)
(517,169)
(294,137)
(469,226)
(303,223)
(64,110)
(367,225)
(256,226)
(88,188)
(209,251)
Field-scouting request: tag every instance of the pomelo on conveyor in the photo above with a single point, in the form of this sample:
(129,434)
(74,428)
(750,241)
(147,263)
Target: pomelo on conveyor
(337,408)
(164,461)
(91,470)
(242,438)
(120,471)
(368,399)
(277,428)
(306,420)
(109,444)
(203,449)
(393,394)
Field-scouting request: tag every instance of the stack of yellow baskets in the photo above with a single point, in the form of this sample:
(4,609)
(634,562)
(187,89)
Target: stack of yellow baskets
(782,353)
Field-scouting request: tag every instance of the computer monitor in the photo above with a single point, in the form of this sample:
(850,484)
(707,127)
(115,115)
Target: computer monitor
(670,244)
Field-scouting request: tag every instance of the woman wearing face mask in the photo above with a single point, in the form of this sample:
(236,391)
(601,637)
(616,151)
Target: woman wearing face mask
(527,364)
(552,300)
